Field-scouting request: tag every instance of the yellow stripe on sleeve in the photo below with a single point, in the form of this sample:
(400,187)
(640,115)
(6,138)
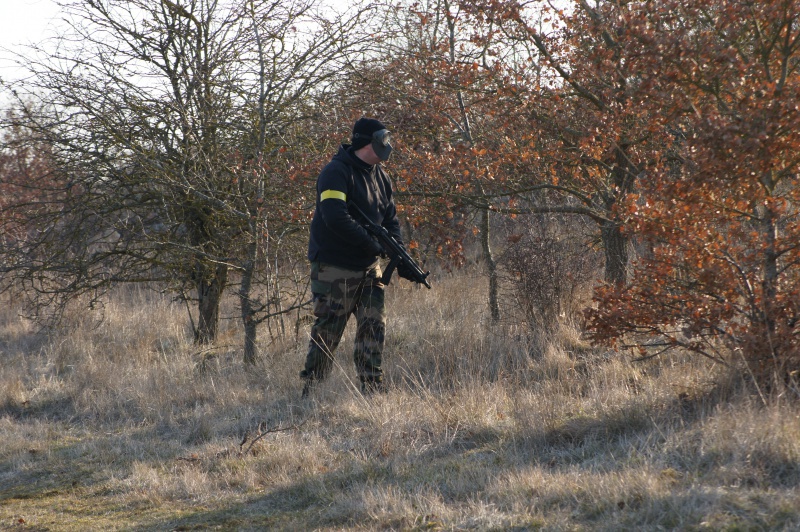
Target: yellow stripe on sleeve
(333,194)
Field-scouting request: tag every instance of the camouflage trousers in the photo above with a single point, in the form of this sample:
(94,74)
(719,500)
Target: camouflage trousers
(338,293)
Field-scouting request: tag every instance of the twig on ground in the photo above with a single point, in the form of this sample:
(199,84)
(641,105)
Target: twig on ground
(263,433)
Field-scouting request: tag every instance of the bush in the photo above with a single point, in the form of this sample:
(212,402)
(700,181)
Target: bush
(546,270)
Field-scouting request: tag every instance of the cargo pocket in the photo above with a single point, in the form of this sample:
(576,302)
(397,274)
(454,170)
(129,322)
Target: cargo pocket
(321,294)
(374,274)
(320,291)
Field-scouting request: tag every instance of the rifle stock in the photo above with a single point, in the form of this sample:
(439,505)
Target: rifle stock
(397,253)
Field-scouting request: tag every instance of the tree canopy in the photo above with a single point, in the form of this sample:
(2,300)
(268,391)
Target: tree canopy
(180,141)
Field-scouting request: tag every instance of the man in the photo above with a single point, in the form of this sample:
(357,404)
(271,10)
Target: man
(345,267)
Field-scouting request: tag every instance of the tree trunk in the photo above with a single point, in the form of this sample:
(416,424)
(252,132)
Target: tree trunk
(246,305)
(770,280)
(209,295)
(615,245)
(491,266)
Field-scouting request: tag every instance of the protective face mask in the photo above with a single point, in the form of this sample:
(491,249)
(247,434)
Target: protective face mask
(381,143)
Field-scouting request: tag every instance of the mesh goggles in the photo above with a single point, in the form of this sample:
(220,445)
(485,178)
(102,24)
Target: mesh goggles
(382,137)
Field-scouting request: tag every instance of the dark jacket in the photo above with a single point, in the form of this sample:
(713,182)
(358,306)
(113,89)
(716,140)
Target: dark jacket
(336,236)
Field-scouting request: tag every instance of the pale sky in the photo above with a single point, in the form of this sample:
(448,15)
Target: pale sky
(22,22)
(31,21)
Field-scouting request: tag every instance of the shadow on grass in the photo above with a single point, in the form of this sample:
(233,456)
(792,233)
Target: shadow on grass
(456,472)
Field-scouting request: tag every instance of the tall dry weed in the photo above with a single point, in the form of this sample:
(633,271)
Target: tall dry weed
(127,424)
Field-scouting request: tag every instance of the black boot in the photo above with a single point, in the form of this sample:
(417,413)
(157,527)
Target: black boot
(307,386)
(308,383)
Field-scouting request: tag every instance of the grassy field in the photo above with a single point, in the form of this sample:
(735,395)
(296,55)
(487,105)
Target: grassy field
(123,424)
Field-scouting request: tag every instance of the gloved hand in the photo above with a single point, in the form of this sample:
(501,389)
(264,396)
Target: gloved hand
(377,249)
(404,271)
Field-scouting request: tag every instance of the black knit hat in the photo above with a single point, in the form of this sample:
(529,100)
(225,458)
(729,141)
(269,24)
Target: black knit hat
(363,130)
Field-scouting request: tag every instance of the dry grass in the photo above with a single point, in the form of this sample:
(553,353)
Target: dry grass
(125,425)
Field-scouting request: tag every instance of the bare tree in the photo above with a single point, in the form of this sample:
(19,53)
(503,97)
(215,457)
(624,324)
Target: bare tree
(141,103)
(297,54)
(186,131)
(174,123)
